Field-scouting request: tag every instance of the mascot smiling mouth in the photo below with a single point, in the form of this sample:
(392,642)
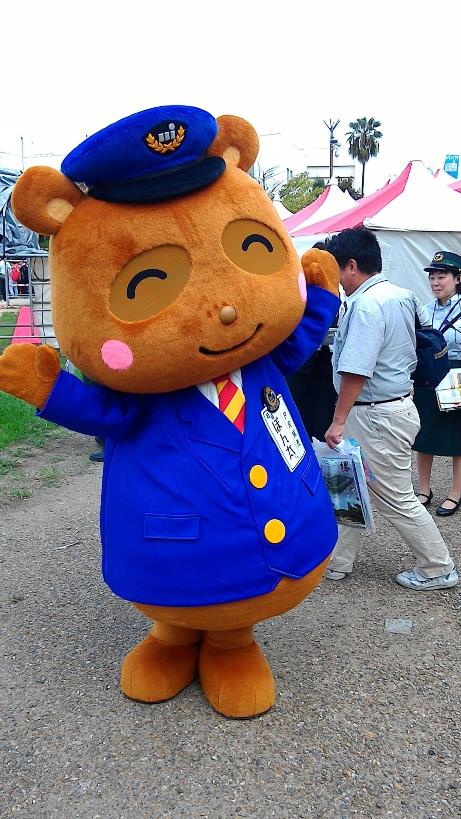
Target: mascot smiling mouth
(229,349)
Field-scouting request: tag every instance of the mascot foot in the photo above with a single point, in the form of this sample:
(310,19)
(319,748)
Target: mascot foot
(155,671)
(237,682)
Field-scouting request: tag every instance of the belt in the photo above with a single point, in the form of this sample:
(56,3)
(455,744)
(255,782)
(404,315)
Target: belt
(385,401)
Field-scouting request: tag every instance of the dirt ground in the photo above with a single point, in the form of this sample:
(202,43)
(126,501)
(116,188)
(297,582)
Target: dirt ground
(366,722)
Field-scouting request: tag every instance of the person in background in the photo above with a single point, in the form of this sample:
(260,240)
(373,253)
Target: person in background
(312,386)
(23,285)
(440,432)
(12,286)
(3,280)
(374,356)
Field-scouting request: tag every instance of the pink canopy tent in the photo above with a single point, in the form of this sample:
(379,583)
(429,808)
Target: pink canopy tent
(368,206)
(332,201)
(413,217)
(445,177)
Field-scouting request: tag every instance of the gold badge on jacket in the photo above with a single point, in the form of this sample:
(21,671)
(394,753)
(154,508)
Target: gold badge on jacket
(271,402)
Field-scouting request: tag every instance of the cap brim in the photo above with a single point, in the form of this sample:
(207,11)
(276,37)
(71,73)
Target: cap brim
(159,187)
(447,267)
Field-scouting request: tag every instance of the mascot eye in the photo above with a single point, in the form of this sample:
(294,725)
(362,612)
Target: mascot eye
(149,283)
(143,274)
(256,237)
(254,247)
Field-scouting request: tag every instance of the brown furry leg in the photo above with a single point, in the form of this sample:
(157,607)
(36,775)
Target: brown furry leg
(235,675)
(162,665)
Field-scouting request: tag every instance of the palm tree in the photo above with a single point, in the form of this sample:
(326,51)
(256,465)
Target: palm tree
(363,140)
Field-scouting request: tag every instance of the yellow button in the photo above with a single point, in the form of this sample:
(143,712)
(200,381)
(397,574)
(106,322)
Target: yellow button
(274,530)
(258,476)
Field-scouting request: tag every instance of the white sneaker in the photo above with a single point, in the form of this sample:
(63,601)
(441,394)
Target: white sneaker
(415,580)
(332,574)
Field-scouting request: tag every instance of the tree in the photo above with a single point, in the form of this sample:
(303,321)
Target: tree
(363,140)
(300,191)
(345,183)
(267,179)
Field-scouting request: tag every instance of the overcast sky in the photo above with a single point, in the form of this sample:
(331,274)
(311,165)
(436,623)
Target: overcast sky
(72,68)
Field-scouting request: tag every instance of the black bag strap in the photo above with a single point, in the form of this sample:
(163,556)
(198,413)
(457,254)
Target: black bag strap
(451,323)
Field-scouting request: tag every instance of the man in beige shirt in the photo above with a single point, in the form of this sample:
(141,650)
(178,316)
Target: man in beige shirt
(374,355)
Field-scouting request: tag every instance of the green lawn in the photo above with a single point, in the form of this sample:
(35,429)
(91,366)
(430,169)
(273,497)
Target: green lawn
(7,324)
(17,419)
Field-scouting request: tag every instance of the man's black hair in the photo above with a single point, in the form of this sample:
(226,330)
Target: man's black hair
(359,244)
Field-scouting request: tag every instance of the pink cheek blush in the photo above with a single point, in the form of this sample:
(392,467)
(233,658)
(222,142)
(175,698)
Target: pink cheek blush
(302,287)
(116,355)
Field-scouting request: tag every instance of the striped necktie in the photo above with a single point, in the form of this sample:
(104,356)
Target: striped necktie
(231,400)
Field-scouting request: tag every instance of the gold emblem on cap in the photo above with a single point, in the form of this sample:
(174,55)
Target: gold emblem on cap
(437,257)
(165,147)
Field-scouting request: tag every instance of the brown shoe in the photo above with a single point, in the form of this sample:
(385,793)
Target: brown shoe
(154,671)
(237,682)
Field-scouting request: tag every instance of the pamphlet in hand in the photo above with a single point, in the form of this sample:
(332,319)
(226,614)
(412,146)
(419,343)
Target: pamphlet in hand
(345,474)
(448,391)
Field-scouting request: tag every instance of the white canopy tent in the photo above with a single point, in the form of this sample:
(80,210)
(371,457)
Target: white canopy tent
(444,177)
(331,202)
(413,218)
(425,218)
(282,211)
(336,202)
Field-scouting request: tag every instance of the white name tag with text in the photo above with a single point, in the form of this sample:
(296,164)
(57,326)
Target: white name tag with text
(282,430)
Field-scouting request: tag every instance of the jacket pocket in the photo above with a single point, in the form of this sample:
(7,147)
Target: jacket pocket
(171,527)
(311,474)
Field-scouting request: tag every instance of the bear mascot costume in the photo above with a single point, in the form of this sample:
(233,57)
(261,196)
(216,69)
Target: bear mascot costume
(177,292)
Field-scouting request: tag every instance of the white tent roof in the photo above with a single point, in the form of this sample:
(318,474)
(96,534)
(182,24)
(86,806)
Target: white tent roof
(414,217)
(335,202)
(282,211)
(444,177)
(423,205)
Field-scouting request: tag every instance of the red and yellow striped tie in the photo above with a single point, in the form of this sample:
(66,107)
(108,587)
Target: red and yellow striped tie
(231,400)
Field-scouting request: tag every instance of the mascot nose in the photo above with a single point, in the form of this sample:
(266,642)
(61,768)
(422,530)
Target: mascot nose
(227,314)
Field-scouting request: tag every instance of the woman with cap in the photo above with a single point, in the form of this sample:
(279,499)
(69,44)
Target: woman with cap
(440,432)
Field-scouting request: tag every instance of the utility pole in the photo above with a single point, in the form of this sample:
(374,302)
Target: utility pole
(333,142)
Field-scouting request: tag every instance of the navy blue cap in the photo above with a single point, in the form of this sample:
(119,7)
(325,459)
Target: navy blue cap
(147,157)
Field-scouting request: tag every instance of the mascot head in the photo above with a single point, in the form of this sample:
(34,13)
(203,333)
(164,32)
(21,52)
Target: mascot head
(169,264)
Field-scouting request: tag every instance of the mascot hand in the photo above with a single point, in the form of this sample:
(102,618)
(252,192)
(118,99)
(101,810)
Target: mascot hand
(321,268)
(29,372)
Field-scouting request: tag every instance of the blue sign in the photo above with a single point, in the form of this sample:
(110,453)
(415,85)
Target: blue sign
(451,165)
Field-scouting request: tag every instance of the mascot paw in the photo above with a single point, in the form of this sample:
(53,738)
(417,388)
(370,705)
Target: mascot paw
(29,372)
(154,671)
(237,682)
(321,268)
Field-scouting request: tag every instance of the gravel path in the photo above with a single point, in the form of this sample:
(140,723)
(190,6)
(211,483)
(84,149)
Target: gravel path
(366,722)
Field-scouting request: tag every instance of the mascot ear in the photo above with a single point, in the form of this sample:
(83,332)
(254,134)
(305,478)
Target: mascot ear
(43,198)
(236,141)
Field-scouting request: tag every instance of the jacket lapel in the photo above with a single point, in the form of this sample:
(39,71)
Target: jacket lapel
(252,386)
(207,422)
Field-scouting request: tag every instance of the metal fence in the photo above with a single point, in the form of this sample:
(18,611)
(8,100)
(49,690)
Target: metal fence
(35,295)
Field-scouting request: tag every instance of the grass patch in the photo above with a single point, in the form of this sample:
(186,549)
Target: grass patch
(8,465)
(7,325)
(19,423)
(20,493)
(51,476)
(17,419)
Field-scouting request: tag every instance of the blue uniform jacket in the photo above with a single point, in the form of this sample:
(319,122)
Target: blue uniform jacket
(181,522)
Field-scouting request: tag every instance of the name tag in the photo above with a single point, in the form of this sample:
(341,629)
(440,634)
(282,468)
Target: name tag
(282,430)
